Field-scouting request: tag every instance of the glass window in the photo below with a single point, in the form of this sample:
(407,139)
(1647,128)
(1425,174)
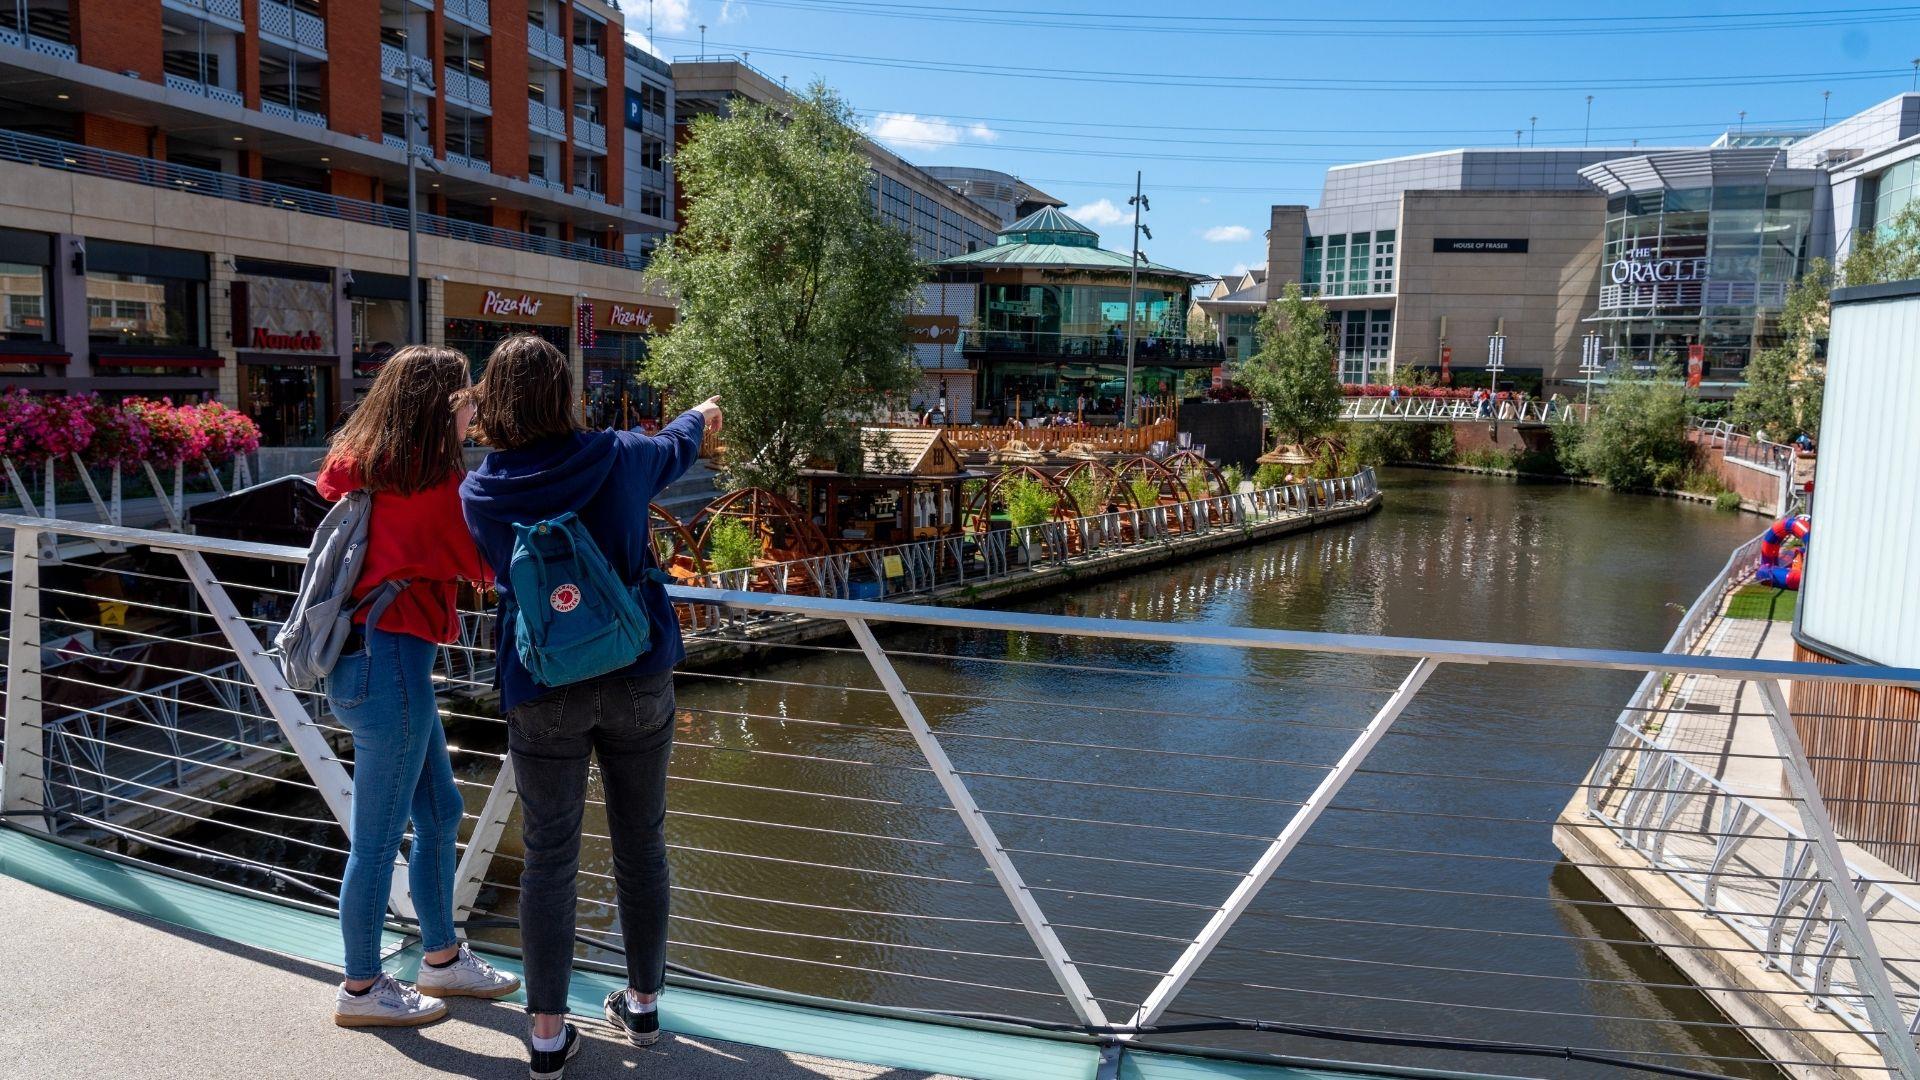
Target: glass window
(25,288)
(141,309)
(290,402)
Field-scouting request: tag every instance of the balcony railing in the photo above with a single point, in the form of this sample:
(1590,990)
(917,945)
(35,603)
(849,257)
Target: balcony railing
(477,163)
(546,45)
(227,11)
(550,184)
(289,112)
(546,120)
(92,161)
(464,89)
(475,13)
(200,89)
(292,26)
(589,63)
(590,135)
(59,50)
(1099,347)
(394,60)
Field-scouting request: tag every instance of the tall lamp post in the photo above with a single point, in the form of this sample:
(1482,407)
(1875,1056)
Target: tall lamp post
(407,73)
(1139,203)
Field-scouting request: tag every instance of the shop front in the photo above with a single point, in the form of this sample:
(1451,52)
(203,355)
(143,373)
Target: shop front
(478,317)
(616,394)
(147,327)
(27,344)
(377,317)
(286,342)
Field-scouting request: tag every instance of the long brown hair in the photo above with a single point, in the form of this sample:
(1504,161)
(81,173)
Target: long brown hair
(400,438)
(525,395)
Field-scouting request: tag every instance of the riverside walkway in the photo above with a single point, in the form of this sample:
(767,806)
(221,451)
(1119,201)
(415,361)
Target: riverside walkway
(1703,844)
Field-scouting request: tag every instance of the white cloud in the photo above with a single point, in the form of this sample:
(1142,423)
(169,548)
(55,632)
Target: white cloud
(730,10)
(1239,268)
(671,16)
(1228,234)
(1099,212)
(926,132)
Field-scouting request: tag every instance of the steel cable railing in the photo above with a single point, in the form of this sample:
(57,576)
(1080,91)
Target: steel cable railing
(822,836)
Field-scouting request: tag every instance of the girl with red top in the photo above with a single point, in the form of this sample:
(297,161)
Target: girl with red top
(403,445)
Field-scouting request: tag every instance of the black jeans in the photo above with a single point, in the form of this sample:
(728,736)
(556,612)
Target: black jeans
(628,724)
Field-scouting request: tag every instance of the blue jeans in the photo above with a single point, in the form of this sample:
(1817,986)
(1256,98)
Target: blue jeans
(628,724)
(383,694)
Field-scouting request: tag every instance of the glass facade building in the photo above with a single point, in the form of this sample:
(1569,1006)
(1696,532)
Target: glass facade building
(1700,250)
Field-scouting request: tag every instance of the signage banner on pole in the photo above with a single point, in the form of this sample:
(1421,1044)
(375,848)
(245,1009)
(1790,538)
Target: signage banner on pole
(583,317)
(1446,365)
(1696,363)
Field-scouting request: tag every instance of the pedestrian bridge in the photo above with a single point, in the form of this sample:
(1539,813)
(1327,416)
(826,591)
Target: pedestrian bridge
(1426,410)
(944,890)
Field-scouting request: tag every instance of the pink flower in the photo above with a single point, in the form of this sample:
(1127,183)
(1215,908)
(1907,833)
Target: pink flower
(228,432)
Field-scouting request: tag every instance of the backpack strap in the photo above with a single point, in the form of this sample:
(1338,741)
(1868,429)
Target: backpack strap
(376,601)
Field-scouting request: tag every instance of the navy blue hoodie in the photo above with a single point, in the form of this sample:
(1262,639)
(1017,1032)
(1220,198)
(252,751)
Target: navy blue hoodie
(606,477)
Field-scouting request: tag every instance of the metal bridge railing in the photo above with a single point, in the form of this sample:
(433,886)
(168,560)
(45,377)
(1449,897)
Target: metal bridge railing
(877,815)
(1430,410)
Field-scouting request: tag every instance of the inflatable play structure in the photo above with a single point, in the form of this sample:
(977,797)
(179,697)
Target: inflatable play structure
(1781,568)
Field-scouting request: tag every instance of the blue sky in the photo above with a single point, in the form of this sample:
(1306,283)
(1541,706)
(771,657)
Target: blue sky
(1232,107)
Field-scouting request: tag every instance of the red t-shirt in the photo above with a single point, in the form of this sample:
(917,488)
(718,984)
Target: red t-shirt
(421,538)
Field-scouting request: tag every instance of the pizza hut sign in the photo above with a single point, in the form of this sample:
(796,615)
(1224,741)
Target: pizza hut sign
(625,316)
(499,303)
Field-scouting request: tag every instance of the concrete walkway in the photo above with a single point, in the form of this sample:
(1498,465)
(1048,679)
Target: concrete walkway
(95,993)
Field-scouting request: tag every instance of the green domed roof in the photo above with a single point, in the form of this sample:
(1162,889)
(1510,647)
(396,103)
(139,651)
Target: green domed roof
(1048,225)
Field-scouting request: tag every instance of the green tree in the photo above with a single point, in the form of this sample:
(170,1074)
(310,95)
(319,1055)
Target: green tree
(793,293)
(1292,374)
(1784,382)
(1888,252)
(1637,436)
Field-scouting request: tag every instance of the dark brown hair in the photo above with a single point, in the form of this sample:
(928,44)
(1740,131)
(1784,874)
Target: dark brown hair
(525,395)
(400,438)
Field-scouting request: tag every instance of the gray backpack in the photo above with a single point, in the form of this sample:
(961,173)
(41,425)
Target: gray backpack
(310,641)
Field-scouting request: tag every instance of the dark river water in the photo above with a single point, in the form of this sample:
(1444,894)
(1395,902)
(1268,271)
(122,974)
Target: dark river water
(1133,781)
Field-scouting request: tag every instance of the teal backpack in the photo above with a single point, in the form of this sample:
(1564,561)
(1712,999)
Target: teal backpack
(573,618)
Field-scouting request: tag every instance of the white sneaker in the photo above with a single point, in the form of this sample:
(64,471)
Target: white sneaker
(467,976)
(387,1003)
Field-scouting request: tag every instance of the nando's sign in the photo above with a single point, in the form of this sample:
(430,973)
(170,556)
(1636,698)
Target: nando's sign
(1643,266)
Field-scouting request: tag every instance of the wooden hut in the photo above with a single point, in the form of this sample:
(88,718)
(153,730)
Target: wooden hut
(907,487)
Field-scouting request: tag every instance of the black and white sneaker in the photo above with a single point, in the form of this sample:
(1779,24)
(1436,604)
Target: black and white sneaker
(640,1028)
(552,1064)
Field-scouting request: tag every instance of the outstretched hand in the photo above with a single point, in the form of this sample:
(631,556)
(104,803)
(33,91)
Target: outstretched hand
(709,411)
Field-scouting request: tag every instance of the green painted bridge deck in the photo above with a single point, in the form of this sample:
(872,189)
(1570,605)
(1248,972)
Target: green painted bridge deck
(116,970)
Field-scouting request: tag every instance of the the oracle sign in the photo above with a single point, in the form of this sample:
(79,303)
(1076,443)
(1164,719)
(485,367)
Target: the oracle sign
(625,315)
(499,303)
(298,341)
(1640,265)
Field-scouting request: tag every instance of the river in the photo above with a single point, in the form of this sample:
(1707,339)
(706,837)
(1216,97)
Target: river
(1198,752)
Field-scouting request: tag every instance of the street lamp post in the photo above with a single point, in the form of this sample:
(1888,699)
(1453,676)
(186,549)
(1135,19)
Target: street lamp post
(1139,202)
(407,74)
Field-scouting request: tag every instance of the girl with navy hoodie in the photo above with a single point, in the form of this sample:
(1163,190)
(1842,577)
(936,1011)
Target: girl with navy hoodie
(543,465)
